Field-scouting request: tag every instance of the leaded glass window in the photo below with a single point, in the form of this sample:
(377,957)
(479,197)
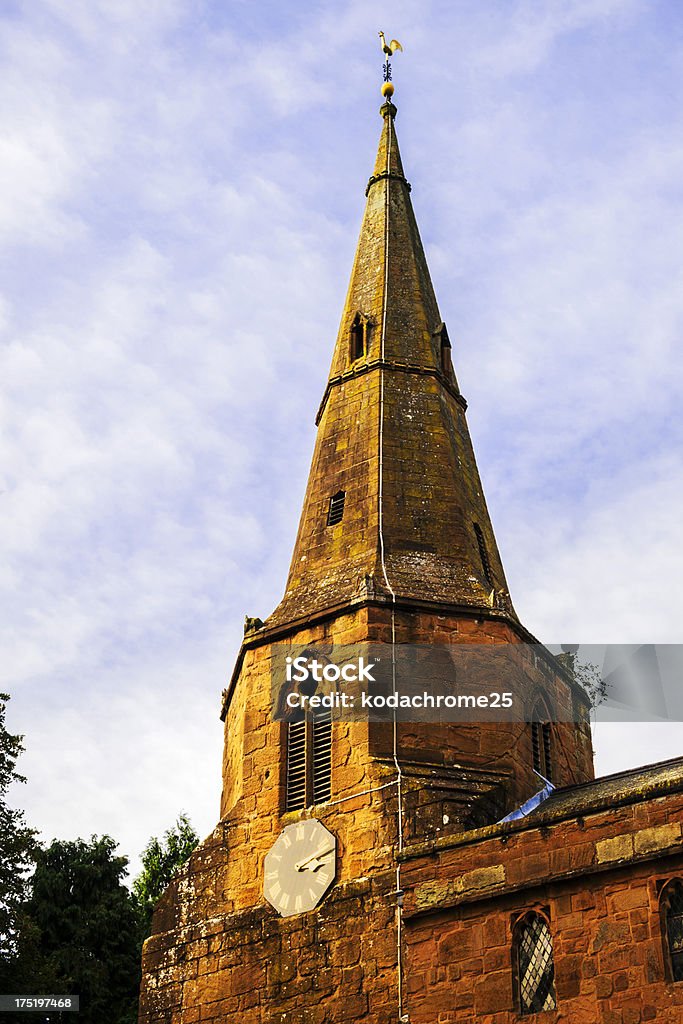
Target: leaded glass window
(673,915)
(535,965)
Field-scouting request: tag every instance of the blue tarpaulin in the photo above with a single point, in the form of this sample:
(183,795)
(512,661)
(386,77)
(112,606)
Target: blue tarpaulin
(531,804)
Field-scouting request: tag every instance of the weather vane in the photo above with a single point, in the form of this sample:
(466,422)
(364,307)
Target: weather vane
(388,49)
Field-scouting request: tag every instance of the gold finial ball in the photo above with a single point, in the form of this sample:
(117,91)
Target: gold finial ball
(388,89)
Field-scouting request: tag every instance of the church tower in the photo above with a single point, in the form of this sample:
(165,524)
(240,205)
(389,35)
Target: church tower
(293,909)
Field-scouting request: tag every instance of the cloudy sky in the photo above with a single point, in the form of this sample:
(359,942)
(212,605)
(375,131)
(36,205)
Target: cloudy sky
(181,186)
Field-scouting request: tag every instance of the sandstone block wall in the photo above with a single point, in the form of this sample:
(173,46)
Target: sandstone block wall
(596,878)
(334,965)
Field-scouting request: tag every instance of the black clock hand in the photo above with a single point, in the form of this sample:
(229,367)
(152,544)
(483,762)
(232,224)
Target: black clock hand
(302,864)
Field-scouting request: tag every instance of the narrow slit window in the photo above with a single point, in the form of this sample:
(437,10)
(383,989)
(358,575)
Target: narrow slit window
(672,906)
(444,342)
(359,337)
(335,512)
(534,964)
(483,554)
(446,364)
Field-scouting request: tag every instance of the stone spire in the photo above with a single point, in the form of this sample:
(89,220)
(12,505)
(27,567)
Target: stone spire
(390,281)
(394,503)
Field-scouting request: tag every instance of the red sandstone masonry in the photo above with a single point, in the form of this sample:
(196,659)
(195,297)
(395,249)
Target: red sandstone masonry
(601,897)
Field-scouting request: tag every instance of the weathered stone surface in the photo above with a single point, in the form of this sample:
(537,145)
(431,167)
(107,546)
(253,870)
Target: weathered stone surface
(618,848)
(662,837)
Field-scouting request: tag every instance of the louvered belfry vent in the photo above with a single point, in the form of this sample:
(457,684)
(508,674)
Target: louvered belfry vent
(536,746)
(335,512)
(321,732)
(309,761)
(542,741)
(547,751)
(535,965)
(296,766)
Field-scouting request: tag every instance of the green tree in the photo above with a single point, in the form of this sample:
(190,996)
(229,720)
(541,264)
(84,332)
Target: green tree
(17,849)
(160,862)
(82,929)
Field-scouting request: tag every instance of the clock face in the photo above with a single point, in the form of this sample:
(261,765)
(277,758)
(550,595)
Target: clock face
(299,868)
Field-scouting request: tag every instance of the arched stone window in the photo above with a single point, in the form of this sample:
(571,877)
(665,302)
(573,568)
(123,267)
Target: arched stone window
(533,964)
(671,905)
(542,741)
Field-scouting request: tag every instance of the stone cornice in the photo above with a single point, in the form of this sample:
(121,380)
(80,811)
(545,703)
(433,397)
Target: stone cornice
(269,634)
(387,364)
(389,175)
(595,799)
(613,846)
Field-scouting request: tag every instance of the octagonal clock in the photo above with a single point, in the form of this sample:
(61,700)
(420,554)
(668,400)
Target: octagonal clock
(299,867)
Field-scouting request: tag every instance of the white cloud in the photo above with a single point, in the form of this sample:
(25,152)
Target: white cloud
(526,37)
